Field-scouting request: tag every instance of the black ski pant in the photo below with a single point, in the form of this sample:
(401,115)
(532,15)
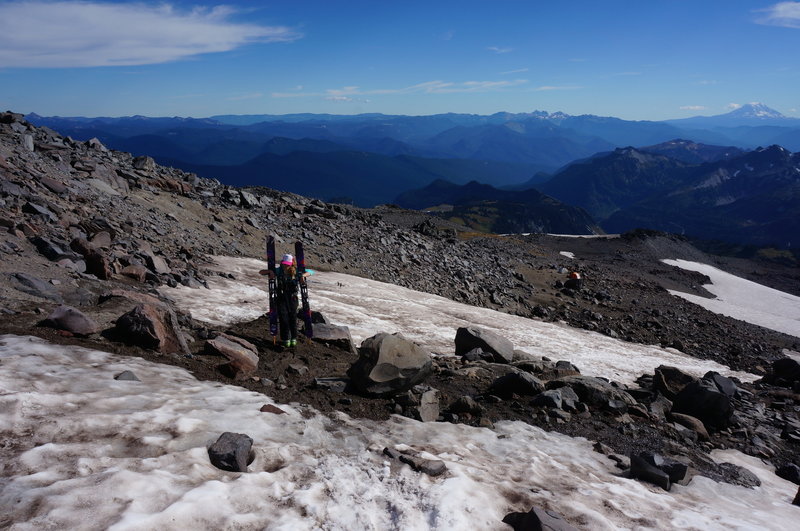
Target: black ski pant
(287,317)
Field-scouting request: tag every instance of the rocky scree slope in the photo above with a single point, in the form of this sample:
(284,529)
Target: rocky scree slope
(162,224)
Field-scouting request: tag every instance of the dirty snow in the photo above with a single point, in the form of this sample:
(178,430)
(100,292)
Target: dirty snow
(369,307)
(84,451)
(744,300)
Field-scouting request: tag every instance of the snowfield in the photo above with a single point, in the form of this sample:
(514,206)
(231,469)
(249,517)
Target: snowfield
(84,451)
(744,300)
(369,307)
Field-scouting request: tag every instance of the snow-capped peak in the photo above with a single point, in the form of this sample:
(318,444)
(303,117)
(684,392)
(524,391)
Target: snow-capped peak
(755,110)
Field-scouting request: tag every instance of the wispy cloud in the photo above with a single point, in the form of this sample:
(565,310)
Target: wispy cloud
(577,60)
(627,74)
(498,49)
(785,14)
(558,87)
(346,99)
(428,87)
(517,71)
(733,106)
(61,34)
(707,82)
(693,107)
(448,35)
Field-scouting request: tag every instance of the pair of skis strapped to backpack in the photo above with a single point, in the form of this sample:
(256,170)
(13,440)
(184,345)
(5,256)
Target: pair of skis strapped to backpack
(273,292)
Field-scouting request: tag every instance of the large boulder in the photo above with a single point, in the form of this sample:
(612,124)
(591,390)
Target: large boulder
(389,364)
(670,380)
(242,355)
(469,338)
(594,391)
(703,400)
(72,320)
(152,327)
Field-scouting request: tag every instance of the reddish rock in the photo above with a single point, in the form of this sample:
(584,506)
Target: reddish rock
(269,408)
(690,422)
(243,356)
(136,272)
(101,239)
(149,326)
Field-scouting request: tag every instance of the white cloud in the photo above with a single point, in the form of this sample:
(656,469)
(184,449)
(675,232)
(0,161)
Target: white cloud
(498,49)
(517,71)
(558,87)
(428,87)
(693,107)
(785,14)
(448,35)
(707,82)
(733,106)
(39,34)
(793,110)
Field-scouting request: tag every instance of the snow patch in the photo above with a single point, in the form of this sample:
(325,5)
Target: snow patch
(568,254)
(744,300)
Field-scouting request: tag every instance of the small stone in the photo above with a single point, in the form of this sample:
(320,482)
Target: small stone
(269,408)
(231,452)
(127,376)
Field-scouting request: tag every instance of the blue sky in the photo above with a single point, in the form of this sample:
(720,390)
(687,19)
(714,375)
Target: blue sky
(632,59)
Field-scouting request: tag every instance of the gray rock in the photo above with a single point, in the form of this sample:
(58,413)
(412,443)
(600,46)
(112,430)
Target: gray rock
(725,385)
(431,467)
(701,399)
(144,163)
(551,398)
(468,338)
(39,210)
(72,320)
(335,336)
(157,264)
(126,376)
(231,452)
(690,422)
(389,364)
(27,141)
(537,519)
(516,382)
(35,286)
(334,385)
(592,391)
(428,409)
(466,404)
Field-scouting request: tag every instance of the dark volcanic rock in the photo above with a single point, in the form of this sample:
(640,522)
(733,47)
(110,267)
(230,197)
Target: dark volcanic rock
(725,385)
(645,471)
(126,376)
(149,326)
(231,452)
(388,364)
(469,338)
(516,383)
(593,391)
(72,320)
(670,381)
(790,472)
(537,519)
(784,372)
(701,399)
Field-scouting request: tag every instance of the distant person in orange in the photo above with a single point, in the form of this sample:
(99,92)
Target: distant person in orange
(574,282)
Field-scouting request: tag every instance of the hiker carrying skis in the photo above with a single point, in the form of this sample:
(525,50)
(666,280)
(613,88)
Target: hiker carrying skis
(287,285)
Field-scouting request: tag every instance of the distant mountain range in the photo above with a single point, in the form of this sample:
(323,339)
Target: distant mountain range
(690,175)
(526,144)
